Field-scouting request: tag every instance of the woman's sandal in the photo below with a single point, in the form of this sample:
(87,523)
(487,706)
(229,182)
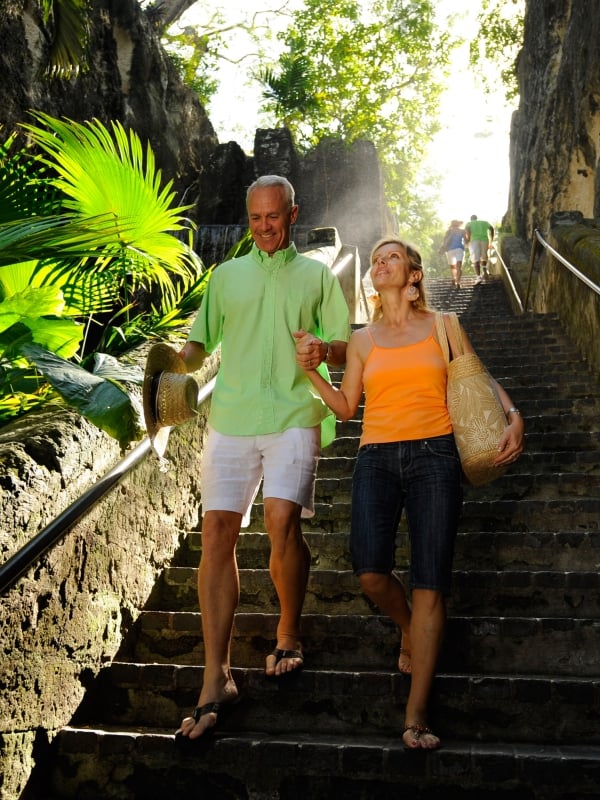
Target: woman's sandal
(418,731)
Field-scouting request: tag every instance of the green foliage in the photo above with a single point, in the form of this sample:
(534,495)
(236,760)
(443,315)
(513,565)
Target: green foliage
(359,70)
(101,401)
(370,70)
(494,52)
(90,241)
(193,54)
(290,91)
(68,22)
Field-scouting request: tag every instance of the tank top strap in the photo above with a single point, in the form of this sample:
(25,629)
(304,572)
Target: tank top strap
(370,335)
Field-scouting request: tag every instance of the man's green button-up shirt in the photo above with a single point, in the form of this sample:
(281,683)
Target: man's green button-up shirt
(252,306)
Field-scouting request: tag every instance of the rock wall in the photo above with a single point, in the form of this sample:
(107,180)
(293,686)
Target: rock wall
(129,78)
(555,136)
(559,290)
(71,611)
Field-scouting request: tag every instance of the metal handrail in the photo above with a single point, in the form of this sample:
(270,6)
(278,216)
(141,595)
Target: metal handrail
(19,563)
(583,278)
(510,280)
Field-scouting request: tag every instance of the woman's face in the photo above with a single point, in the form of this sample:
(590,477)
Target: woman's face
(389,266)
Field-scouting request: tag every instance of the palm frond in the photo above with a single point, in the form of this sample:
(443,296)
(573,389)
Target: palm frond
(69,23)
(110,177)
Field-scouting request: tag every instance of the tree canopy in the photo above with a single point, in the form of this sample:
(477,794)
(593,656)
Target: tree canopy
(359,70)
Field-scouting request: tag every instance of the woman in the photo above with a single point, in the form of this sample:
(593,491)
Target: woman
(454,248)
(407,459)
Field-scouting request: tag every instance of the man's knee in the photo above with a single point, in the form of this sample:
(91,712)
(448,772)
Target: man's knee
(282,517)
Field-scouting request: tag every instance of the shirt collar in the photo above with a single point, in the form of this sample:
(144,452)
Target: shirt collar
(279,257)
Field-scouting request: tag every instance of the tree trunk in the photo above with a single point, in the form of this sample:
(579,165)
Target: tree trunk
(171,10)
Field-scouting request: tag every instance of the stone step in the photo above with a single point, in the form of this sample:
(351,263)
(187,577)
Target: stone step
(483,514)
(476,644)
(491,708)
(516,484)
(543,592)
(131,765)
(566,551)
(518,671)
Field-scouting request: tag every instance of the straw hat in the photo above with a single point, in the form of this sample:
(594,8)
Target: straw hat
(169,394)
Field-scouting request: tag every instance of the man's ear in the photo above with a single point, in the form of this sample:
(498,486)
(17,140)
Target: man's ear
(293,214)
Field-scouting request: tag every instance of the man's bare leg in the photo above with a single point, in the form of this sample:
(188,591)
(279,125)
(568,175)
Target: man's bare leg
(218,594)
(289,566)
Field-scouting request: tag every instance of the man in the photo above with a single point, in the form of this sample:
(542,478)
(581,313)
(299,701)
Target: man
(264,423)
(479,235)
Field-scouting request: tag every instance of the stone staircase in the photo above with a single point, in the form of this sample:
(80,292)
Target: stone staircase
(517,696)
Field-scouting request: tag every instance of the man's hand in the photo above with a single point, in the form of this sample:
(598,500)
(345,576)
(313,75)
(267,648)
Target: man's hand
(310,350)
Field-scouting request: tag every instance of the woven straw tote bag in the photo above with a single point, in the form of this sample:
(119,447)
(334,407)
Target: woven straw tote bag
(477,416)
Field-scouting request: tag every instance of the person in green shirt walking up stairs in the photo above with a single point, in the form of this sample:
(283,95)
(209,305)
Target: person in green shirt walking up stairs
(265,424)
(479,235)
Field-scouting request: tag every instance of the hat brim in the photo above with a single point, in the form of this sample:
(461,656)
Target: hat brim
(161,358)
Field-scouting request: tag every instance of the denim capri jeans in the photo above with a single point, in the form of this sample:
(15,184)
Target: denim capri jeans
(422,476)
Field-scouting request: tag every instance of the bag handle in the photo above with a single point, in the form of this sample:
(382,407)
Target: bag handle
(454,338)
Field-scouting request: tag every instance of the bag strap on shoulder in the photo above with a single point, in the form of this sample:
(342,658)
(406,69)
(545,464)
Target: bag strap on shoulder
(450,340)
(442,337)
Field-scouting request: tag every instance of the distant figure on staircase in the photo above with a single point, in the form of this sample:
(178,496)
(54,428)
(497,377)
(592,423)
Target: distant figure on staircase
(479,235)
(454,248)
(265,424)
(407,459)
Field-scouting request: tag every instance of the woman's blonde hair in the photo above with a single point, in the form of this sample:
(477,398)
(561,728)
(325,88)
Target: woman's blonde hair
(415,264)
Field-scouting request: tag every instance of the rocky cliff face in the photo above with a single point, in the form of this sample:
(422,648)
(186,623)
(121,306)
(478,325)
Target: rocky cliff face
(129,78)
(555,137)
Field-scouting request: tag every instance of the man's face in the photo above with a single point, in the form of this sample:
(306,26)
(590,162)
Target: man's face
(270,218)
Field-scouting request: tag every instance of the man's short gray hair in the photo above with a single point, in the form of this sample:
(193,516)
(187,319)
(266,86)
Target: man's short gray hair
(273,180)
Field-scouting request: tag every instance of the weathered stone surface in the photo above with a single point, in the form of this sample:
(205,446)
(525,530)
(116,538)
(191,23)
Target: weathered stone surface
(69,613)
(560,291)
(556,129)
(130,78)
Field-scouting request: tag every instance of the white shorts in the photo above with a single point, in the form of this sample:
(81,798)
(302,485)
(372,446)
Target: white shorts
(479,250)
(233,466)
(454,256)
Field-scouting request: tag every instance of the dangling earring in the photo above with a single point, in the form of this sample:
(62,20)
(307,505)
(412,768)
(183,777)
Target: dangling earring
(412,292)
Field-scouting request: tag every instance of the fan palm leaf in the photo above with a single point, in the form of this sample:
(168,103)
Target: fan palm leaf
(111,184)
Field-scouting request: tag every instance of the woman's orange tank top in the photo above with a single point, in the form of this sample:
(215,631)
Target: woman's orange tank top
(405,393)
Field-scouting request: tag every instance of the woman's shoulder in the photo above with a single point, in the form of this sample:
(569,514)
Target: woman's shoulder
(361,340)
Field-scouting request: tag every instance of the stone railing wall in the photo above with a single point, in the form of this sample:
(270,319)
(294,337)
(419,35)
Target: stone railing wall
(72,610)
(560,291)
(553,288)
